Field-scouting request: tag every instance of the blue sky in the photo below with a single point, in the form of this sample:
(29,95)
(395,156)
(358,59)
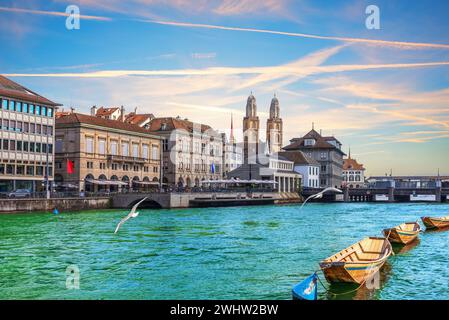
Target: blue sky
(387,99)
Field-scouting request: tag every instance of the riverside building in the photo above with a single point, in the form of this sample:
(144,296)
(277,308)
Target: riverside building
(27,122)
(96,154)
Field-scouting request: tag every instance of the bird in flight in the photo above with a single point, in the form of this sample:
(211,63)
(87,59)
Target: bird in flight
(132,214)
(319,195)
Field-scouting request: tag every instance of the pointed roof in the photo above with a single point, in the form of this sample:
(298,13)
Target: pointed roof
(11,89)
(299,158)
(352,164)
(320,142)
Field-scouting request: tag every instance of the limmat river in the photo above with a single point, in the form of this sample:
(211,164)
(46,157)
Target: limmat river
(212,253)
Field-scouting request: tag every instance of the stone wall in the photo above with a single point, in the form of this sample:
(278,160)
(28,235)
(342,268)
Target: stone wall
(63,204)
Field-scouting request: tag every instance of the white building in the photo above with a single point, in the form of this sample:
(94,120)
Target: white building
(353,173)
(192,152)
(27,138)
(306,166)
(232,155)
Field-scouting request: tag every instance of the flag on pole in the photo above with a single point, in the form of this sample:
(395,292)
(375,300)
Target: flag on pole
(70,166)
(212,168)
(307,289)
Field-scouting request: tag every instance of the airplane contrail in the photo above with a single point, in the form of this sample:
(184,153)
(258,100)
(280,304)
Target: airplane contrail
(400,44)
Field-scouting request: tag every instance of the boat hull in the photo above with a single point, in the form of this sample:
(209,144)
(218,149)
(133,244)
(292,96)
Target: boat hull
(350,272)
(400,236)
(435,223)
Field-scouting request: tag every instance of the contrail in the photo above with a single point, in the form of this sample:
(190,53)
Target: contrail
(400,44)
(284,70)
(52,13)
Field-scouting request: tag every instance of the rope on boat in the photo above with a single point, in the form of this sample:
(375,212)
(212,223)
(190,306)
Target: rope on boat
(341,293)
(347,292)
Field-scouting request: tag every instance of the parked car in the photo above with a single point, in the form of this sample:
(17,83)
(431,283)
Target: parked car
(20,193)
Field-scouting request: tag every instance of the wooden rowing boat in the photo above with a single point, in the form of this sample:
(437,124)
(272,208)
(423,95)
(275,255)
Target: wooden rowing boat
(432,222)
(403,233)
(358,262)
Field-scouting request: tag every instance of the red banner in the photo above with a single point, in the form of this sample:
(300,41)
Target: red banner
(70,166)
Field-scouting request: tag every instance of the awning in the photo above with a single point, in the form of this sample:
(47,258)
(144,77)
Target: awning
(240,181)
(152,183)
(107,182)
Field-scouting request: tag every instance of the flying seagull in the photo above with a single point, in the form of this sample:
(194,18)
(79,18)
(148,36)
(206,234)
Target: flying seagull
(319,195)
(131,214)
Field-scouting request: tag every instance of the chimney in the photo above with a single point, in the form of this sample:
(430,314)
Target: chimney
(135,110)
(122,113)
(72,109)
(93,111)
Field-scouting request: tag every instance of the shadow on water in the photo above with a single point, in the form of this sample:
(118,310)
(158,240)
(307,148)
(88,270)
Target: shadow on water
(368,291)
(436,230)
(401,249)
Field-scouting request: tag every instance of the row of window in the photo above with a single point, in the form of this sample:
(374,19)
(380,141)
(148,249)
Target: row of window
(26,127)
(204,147)
(124,148)
(199,167)
(114,166)
(28,170)
(25,146)
(29,108)
(313,183)
(352,178)
(313,171)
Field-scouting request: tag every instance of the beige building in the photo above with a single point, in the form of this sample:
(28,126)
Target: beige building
(26,138)
(96,154)
(192,152)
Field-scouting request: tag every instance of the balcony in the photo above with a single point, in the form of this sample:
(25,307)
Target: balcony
(119,158)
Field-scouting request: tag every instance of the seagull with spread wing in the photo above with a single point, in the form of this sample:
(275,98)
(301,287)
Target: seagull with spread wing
(319,195)
(132,214)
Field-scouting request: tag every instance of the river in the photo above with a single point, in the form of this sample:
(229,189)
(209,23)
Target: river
(212,253)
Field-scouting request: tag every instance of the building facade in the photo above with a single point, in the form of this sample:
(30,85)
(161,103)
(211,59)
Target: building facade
(326,151)
(307,167)
(274,127)
(96,154)
(232,155)
(192,152)
(251,125)
(259,165)
(353,173)
(27,123)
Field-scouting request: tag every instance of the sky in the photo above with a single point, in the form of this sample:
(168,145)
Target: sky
(384,92)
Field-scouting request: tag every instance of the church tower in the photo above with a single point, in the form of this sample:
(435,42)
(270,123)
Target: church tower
(274,127)
(251,131)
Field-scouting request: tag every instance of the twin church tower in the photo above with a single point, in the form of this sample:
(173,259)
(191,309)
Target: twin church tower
(251,125)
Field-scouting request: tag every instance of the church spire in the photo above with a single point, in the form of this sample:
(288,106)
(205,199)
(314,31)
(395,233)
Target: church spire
(231,137)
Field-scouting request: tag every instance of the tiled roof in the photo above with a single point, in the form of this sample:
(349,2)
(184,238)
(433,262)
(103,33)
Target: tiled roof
(320,142)
(174,123)
(79,118)
(11,89)
(298,158)
(352,164)
(138,118)
(102,111)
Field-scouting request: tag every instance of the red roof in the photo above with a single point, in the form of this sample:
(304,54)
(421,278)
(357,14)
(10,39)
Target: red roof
(102,111)
(138,118)
(320,142)
(11,89)
(352,164)
(78,118)
(174,123)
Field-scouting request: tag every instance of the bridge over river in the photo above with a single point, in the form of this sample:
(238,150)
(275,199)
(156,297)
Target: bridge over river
(384,194)
(201,199)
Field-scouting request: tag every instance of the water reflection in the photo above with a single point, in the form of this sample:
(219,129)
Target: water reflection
(401,249)
(368,291)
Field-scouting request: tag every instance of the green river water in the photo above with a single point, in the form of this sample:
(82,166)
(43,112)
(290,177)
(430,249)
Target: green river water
(212,253)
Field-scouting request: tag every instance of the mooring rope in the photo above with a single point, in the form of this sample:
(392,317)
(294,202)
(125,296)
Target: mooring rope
(340,293)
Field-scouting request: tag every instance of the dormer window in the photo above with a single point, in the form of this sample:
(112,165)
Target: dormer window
(164,126)
(309,142)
